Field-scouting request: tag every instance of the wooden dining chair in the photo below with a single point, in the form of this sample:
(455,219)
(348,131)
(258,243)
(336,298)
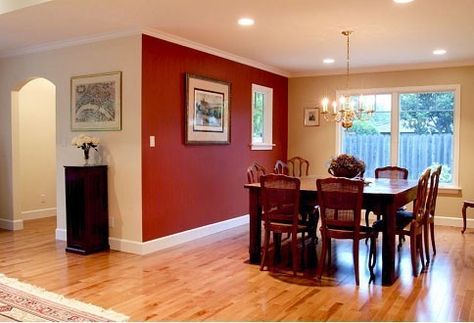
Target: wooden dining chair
(340,202)
(430,212)
(281,167)
(281,202)
(393,172)
(412,223)
(298,167)
(254,172)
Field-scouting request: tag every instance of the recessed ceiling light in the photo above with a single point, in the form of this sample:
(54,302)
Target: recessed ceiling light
(246,21)
(328,60)
(402,1)
(439,51)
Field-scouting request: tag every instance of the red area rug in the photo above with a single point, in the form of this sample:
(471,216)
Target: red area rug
(22,302)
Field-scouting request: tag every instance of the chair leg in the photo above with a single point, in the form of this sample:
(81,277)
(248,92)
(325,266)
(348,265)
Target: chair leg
(294,251)
(266,241)
(355,254)
(433,237)
(316,221)
(413,251)
(372,257)
(322,259)
(303,247)
(420,247)
(401,238)
(277,246)
(329,244)
(367,212)
(427,243)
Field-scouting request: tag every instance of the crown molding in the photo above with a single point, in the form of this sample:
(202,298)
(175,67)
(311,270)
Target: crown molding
(213,51)
(387,68)
(68,43)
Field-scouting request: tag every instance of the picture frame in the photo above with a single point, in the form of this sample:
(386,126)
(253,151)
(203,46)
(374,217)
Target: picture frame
(207,111)
(96,102)
(311,117)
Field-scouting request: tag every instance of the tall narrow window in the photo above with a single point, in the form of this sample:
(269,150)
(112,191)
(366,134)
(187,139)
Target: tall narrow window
(258,116)
(262,106)
(413,128)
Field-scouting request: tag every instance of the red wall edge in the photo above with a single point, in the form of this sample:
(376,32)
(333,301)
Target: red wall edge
(184,186)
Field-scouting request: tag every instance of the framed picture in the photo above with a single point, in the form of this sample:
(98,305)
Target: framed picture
(96,102)
(207,111)
(311,117)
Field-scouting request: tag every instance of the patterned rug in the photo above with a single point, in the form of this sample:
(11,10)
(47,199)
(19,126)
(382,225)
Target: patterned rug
(22,302)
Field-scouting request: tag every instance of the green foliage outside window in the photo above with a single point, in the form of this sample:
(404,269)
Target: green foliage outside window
(362,128)
(427,113)
(258,114)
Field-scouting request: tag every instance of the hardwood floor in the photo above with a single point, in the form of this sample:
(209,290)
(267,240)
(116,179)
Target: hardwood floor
(209,279)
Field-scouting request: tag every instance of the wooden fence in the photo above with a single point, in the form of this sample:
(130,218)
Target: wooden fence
(416,152)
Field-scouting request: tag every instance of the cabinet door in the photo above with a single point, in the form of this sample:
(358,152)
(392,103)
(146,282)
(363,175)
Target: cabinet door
(75,208)
(87,209)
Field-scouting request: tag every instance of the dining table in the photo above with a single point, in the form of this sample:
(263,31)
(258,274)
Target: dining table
(381,194)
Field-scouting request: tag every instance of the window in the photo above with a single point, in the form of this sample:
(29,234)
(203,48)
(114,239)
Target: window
(414,128)
(262,106)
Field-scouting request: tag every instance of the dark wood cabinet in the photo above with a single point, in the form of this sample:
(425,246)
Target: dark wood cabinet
(86,209)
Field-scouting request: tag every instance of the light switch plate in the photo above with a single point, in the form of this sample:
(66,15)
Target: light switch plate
(152,141)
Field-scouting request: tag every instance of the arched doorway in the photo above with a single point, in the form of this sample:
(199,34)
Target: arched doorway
(34,150)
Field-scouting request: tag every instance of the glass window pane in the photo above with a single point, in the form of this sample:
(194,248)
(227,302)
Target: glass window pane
(258,117)
(427,132)
(369,140)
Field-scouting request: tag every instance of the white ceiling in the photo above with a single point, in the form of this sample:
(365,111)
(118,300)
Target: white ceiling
(291,36)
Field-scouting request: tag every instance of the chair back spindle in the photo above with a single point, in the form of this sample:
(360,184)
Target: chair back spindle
(281,167)
(254,172)
(393,172)
(298,167)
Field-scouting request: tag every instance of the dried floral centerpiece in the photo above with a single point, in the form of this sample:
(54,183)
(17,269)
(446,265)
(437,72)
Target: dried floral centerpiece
(85,143)
(346,165)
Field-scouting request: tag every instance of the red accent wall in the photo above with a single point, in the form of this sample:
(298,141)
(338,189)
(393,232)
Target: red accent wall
(185,186)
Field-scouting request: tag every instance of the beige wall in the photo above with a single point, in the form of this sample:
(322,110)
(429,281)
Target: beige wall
(120,150)
(317,144)
(37,146)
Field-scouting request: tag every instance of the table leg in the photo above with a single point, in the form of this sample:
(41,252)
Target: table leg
(464,207)
(255,228)
(389,275)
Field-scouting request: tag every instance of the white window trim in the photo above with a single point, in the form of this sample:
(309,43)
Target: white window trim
(267,143)
(396,91)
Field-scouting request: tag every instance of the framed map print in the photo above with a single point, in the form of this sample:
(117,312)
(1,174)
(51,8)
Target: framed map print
(207,111)
(96,102)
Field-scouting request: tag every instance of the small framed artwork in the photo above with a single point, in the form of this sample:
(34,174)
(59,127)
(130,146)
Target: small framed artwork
(96,102)
(207,111)
(311,117)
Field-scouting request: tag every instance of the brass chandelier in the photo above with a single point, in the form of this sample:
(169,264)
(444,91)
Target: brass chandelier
(345,110)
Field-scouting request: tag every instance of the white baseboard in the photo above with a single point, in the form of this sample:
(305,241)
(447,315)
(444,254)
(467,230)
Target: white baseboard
(453,221)
(61,234)
(144,248)
(38,214)
(11,225)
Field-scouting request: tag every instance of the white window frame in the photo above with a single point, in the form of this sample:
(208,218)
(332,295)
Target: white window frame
(395,92)
(267,143)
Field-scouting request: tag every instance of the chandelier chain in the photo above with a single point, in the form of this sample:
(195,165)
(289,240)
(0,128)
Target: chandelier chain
(348,45)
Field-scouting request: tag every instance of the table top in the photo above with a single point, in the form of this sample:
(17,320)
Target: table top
(379,186)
